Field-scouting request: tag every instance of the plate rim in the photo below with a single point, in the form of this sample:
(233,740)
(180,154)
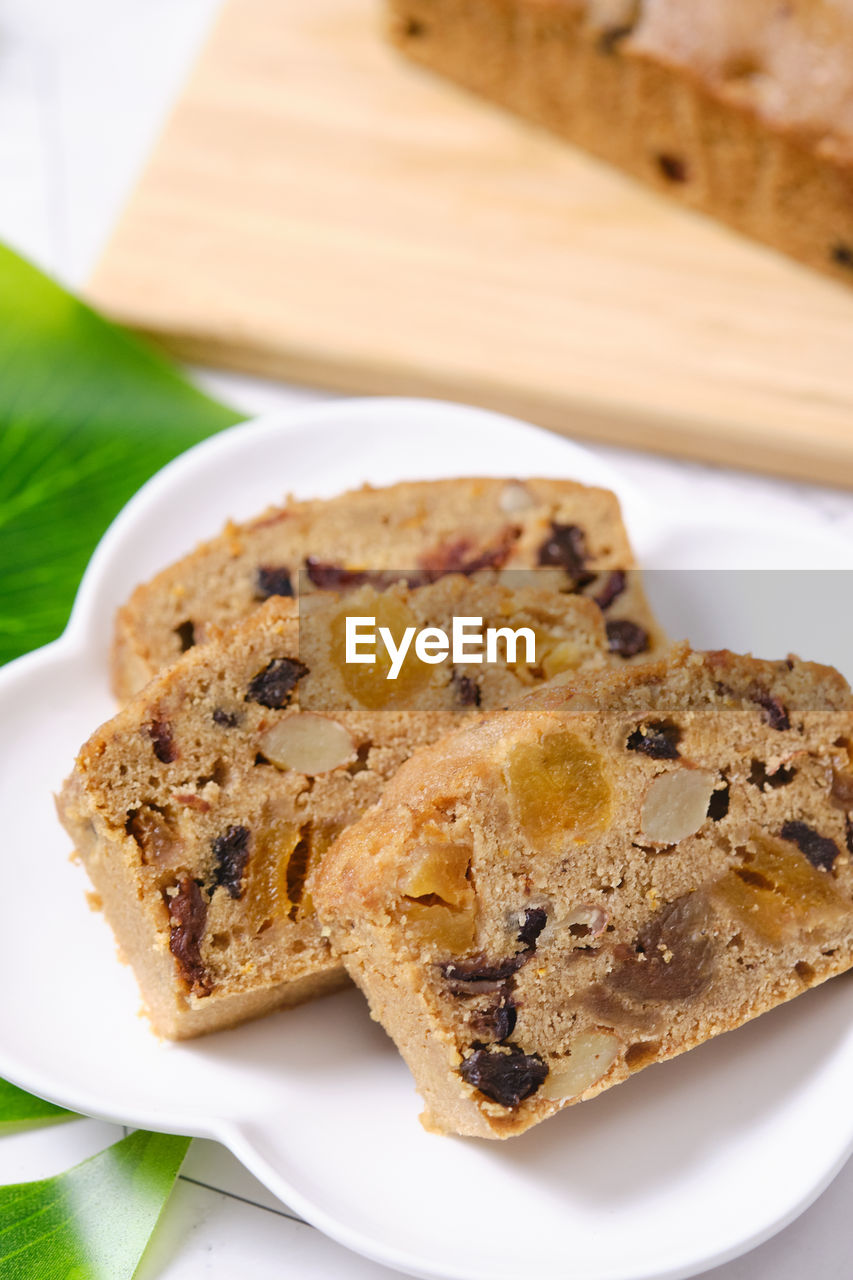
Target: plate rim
(67,648)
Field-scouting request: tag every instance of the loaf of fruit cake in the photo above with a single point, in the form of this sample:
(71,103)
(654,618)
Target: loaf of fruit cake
(200,807)
(740,108)
(421,530)
(599,878)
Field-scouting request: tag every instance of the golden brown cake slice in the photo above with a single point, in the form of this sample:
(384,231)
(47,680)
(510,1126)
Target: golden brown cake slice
(740,108)
(599,878)
(199,808)
(420,529)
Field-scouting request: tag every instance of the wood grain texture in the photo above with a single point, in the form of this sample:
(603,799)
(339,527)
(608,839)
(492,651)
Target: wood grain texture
(322,211)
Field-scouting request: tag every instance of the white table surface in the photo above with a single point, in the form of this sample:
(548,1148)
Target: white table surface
(85,86)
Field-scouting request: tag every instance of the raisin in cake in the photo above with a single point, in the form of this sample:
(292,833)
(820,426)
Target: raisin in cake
(199,808)
(425,529)
(599,878)
(741,108)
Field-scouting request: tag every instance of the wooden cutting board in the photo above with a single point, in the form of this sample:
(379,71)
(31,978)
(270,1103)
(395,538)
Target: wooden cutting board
(321,211)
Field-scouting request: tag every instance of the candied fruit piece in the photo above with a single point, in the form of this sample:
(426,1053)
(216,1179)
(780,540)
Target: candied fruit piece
(266,894)
(558,788)
(777,893)
(438,900)
(187,908)
(438,867)
(558,655)
(150,827)
(435,924)
(842,788)
(231,851)
(675,954)
(507,1077)
(368,682)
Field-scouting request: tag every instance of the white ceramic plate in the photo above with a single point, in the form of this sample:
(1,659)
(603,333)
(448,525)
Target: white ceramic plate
(686,1165)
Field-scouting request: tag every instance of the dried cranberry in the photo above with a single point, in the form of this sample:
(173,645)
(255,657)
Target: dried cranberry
(498,1021)
(226,719)
(477,969)
(673,168)
(188,915)
(468,692)
(186,634)
(160,733)
(334,577)
(506,1078)
(273,580)
(820,850)
(842,254)
(462,557)
(774,711)
(565,548)
(659,740)
(626,638)
(535,919)
(231,851)
(674,954)
(274,686)
(759,777)
(848,833)
(611,37)
(614,585)
(718,805)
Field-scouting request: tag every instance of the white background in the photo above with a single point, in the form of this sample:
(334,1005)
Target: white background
(85,86)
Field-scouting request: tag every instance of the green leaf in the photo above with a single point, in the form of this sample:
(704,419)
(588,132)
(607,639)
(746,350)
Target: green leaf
(93,1222)
(87,414)
(19,1110)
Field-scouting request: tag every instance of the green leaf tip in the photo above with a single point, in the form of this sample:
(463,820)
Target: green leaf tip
(94,1221)
(87,414)
(18,1109)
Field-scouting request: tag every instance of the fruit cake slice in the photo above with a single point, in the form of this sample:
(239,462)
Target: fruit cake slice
(599,878)
(740,108)
(422,529)
(199,807)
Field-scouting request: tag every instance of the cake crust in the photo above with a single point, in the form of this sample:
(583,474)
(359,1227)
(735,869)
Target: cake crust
(742,109)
